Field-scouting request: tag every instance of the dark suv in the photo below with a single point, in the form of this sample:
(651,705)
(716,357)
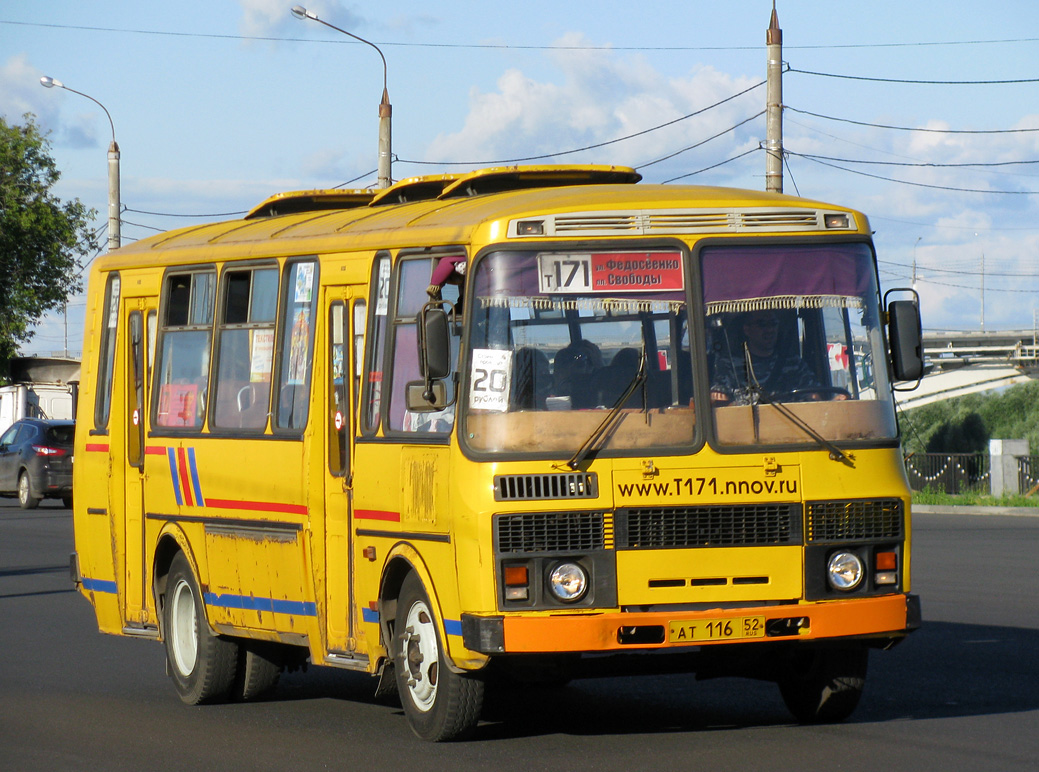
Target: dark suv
(36,461)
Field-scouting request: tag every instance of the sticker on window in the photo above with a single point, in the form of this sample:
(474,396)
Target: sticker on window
(490,379)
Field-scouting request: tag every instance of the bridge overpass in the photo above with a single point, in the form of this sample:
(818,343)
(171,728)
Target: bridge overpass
(960,363)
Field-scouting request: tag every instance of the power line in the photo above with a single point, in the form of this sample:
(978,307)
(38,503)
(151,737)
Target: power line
(915,184)
(713,166)
(1009,274)
(588,147)
(702,142)
(514,46)
(909,128)
(917,82)
(980,164)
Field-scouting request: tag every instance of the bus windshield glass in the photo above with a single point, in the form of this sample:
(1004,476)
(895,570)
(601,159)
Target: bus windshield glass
(798,326)
(557,340)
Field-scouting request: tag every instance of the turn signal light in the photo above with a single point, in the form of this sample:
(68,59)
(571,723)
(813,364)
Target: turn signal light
(887,561)
(516,580)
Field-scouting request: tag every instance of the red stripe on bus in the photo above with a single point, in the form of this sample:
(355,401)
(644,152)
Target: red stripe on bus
(185,483)
(377,514)
(258,506)
(96,448)
(155,450)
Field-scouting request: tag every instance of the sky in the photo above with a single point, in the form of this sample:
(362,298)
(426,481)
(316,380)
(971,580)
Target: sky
(908,112)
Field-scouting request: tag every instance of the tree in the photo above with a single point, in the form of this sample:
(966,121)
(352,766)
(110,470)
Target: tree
(40,236)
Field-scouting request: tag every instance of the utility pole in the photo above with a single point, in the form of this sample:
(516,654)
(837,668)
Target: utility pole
(774,106)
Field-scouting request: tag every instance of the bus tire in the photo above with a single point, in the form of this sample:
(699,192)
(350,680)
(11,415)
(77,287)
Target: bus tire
(201,665)
(259,669)
(823,684)
(25,498)
(439,703)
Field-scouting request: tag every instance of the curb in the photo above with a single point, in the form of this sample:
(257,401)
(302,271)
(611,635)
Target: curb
(935,509)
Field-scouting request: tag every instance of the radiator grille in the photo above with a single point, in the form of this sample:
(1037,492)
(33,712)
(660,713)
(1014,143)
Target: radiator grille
(550,532)
(539,487)
(854,520)
(715,526)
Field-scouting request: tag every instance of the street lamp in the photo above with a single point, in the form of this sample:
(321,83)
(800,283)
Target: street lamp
(113,166)
(385,109)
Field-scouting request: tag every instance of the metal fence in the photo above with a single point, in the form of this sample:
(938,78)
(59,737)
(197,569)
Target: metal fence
(951,472)
(1027,473)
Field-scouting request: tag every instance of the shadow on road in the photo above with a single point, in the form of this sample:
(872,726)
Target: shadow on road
(943,670)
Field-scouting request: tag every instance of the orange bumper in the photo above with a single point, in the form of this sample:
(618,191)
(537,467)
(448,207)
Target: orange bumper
(880,617)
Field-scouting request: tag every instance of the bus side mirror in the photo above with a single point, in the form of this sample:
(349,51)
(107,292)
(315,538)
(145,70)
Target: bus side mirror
(434,342)
(434,357)
(906,337)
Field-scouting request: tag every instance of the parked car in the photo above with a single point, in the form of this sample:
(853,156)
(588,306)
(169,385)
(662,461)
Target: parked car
(36,461)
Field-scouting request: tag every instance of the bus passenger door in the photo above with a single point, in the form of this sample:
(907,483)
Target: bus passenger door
(135,391)
(345,314)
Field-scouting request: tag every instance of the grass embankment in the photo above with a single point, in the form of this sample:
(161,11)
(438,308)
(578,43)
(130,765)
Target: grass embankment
(974,499)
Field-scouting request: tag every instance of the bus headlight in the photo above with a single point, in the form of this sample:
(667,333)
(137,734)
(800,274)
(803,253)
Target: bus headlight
(844,571)
(568,582)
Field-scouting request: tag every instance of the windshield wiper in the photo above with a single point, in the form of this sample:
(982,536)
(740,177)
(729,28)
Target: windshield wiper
(758,393)
(607,423)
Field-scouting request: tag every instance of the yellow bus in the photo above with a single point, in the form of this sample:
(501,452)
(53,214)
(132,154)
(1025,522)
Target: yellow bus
(500,425)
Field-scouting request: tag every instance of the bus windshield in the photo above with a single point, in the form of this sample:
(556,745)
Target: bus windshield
(559,334)
(799,326)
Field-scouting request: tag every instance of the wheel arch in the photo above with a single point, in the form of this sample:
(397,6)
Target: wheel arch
(403,560)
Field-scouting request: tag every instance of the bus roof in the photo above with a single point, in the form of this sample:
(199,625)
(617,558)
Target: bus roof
(571,201)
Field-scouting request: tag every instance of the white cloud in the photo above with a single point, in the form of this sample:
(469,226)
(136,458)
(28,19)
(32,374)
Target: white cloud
(599,96)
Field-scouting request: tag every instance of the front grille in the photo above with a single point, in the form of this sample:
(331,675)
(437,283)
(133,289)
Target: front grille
(854,520)
(539,487)
(714,526)
(550,532)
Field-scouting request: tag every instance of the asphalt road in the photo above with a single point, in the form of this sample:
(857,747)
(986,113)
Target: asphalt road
(960,694)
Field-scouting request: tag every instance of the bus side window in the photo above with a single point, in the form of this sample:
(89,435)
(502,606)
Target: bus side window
(412,283)
(183,371)
(106,363)
(371,398)
(246,349)
(299,301)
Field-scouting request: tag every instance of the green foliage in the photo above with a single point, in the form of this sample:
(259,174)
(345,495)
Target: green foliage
(40,236)
(966,435)
(1011,414)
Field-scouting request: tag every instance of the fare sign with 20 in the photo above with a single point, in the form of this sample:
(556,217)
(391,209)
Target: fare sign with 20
(609,272)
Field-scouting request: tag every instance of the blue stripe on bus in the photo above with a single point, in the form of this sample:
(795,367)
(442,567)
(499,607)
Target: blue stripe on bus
(251,603)
(171,454)
(199,501)
(99,585)
(451,626)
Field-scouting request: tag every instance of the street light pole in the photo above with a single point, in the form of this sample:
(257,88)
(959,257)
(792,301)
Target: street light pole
(385,109)
(114,235)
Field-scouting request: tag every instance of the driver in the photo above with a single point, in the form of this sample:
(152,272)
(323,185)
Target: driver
(776,374)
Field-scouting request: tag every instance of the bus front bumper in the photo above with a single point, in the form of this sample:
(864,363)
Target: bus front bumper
(889,616)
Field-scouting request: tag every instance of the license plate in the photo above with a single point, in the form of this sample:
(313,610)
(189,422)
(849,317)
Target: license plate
(700,630)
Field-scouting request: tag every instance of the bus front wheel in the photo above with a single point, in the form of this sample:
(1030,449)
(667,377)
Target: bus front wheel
(823,684)
(439,703)
(201,665)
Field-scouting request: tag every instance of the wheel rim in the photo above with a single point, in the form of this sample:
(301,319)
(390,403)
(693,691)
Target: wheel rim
(183,628)
(421,656)
(23,488)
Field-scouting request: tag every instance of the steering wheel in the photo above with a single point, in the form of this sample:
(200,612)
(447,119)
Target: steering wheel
(813,393)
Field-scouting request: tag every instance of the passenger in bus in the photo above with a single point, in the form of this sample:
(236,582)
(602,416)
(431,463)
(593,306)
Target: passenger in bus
(531,379)
(573,372)
(775,372)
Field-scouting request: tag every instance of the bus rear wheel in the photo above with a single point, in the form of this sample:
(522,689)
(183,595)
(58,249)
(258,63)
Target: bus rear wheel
(823,684)
(439,703)
(201,665)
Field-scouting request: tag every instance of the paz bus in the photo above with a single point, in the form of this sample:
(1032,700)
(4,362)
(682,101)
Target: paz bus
(467,430)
